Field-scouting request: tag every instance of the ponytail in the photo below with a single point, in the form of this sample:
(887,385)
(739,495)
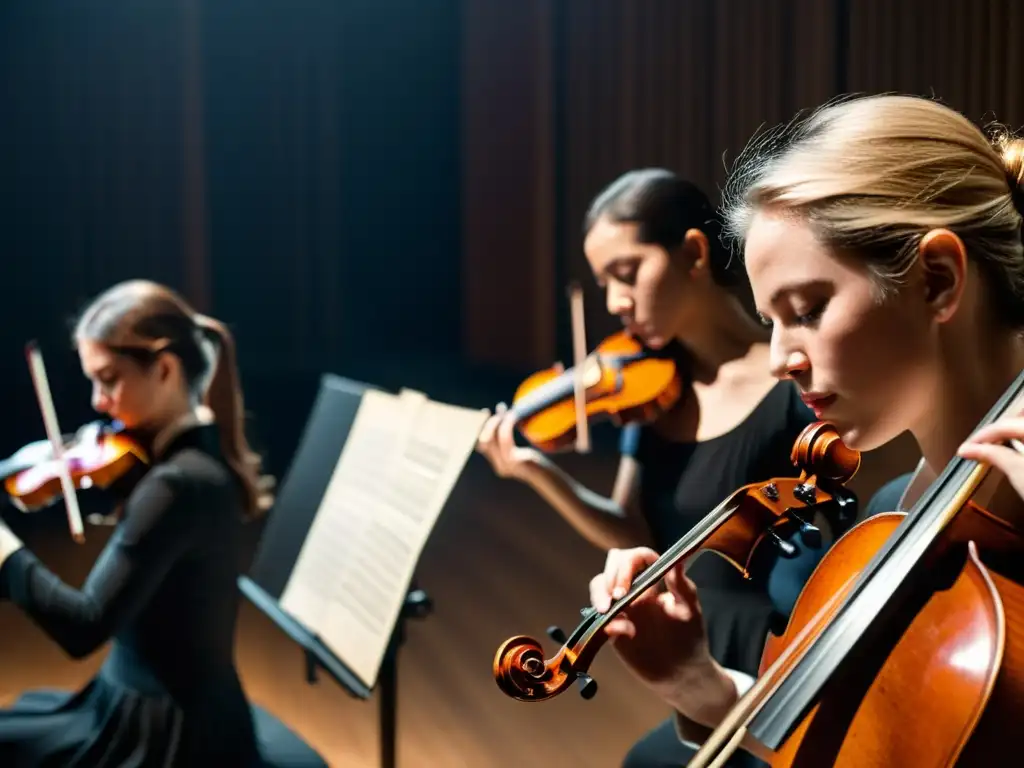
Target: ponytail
(224,398)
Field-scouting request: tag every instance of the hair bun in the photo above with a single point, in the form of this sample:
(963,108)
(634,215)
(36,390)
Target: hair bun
(1011,151)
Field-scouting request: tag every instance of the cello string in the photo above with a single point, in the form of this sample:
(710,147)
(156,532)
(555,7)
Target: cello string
(877,584)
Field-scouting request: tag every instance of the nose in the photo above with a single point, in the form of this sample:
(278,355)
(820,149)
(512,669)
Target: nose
(100,400)
(619,300)
(787,359)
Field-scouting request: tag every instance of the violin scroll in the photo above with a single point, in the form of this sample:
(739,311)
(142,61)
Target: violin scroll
(758,514)
(522,673)
(820,451)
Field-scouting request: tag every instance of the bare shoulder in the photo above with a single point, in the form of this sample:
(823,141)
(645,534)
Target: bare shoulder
(755,367)
(747,378)
(724,404)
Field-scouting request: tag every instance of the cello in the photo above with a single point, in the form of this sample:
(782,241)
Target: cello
(918,612)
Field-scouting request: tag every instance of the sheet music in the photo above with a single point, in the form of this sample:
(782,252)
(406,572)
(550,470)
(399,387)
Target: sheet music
(401,460)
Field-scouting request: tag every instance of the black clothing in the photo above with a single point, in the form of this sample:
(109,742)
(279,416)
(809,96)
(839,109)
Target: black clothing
(660,747)
(681,482)
(165,591)
(887,498)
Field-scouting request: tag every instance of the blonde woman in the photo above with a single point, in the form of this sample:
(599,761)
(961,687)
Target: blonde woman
(882,239)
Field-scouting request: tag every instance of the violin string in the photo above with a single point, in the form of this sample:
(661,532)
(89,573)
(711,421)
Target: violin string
(657,570)
(731,730)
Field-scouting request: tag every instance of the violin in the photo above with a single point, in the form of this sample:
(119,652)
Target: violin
(621,379)
(906,646)
(757,519)
(97,457)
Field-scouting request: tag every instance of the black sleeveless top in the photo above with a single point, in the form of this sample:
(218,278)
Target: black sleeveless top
(681,482)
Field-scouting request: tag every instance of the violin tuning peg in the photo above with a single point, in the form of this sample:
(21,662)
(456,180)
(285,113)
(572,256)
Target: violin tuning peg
(811,535)
(587,684)
(787,549)
(556,634)
(809,532)
(806,493)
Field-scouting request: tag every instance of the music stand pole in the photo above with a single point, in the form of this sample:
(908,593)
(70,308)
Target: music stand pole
(417,606)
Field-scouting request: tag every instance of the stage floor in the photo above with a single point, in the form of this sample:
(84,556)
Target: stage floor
(499,563)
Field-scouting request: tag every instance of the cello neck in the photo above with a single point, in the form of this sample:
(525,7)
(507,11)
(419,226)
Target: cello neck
(871,597)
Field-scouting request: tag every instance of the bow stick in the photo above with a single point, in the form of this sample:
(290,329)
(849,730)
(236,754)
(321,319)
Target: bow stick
(42,387)
(579,343)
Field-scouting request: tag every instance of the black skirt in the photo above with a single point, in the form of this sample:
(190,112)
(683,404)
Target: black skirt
(111,724)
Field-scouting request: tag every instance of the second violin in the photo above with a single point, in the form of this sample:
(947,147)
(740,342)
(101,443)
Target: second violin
(621,379)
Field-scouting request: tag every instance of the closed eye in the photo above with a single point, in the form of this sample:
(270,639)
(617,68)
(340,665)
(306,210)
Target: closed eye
(812,317)
(807,318)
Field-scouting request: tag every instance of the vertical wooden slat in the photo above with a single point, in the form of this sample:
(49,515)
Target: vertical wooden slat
(508,182)
(687,85)
(197,270)
(965,54)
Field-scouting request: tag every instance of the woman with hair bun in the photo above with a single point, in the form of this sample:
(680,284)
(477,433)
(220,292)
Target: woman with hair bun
(882,239)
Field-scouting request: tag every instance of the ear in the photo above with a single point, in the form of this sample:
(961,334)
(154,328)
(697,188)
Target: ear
(943,258)
(698,252)
(165,367)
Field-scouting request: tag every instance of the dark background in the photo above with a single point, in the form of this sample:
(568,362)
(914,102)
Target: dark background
(391,190)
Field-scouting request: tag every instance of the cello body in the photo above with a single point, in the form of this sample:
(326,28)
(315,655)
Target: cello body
(944,685)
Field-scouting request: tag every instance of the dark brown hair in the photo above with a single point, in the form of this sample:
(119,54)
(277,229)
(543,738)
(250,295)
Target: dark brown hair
(664,207)
(140,319)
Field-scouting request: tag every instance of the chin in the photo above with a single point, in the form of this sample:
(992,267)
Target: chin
(862,437)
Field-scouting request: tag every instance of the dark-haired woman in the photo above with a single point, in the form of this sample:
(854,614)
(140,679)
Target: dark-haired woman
(652,240)
(164,588)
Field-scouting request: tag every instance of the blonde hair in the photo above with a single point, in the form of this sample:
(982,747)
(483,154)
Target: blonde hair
(140,319)
(873,174)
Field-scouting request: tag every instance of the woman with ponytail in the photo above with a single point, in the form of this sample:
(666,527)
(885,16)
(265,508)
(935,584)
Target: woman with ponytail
(164,589)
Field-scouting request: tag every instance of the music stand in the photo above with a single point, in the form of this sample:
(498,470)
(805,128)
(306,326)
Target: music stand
(286,529)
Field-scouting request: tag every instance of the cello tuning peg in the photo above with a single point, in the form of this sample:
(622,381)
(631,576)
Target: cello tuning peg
(787,549)
(587,684)
(556,634)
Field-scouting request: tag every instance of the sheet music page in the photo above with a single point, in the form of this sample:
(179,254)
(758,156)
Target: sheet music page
(403,457)
(381,423)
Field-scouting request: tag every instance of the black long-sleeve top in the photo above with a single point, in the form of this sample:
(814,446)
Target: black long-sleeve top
(164,589)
